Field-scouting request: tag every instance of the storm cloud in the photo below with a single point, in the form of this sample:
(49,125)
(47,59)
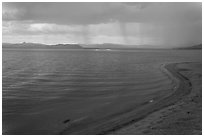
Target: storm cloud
(164,24)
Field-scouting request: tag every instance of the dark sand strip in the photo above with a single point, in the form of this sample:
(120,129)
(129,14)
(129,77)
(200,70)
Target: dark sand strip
(119,121)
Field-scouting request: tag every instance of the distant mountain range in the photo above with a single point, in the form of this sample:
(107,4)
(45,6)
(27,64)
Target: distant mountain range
(38,45)
(90,46)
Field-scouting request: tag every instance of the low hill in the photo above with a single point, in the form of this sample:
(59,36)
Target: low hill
(69,46)
(199,46)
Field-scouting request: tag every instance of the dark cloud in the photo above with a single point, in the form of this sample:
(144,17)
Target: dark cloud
(93,13)
(171,23)
(63,13)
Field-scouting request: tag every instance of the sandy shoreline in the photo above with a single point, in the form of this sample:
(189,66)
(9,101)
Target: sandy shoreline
(183,112)
(119,124)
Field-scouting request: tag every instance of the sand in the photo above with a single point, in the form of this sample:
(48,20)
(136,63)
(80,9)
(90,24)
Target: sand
(184,116)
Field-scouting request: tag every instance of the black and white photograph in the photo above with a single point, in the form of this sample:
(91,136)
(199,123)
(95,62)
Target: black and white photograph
(101,68)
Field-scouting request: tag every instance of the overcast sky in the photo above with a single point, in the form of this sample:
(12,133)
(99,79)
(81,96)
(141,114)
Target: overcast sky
(155,24)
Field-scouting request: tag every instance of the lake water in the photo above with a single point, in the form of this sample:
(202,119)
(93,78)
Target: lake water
(46,91)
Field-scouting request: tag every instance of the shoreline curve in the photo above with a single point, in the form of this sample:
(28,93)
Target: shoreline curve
(183,87)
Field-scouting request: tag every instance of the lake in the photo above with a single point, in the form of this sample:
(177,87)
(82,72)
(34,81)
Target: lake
(47,91)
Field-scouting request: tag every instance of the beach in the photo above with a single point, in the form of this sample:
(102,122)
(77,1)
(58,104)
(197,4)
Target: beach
(183,116)
(101,68)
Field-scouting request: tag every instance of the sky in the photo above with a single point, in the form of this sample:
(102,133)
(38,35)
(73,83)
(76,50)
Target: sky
(131,24)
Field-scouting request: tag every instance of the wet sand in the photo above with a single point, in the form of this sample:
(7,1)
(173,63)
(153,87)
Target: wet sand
(182,115)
